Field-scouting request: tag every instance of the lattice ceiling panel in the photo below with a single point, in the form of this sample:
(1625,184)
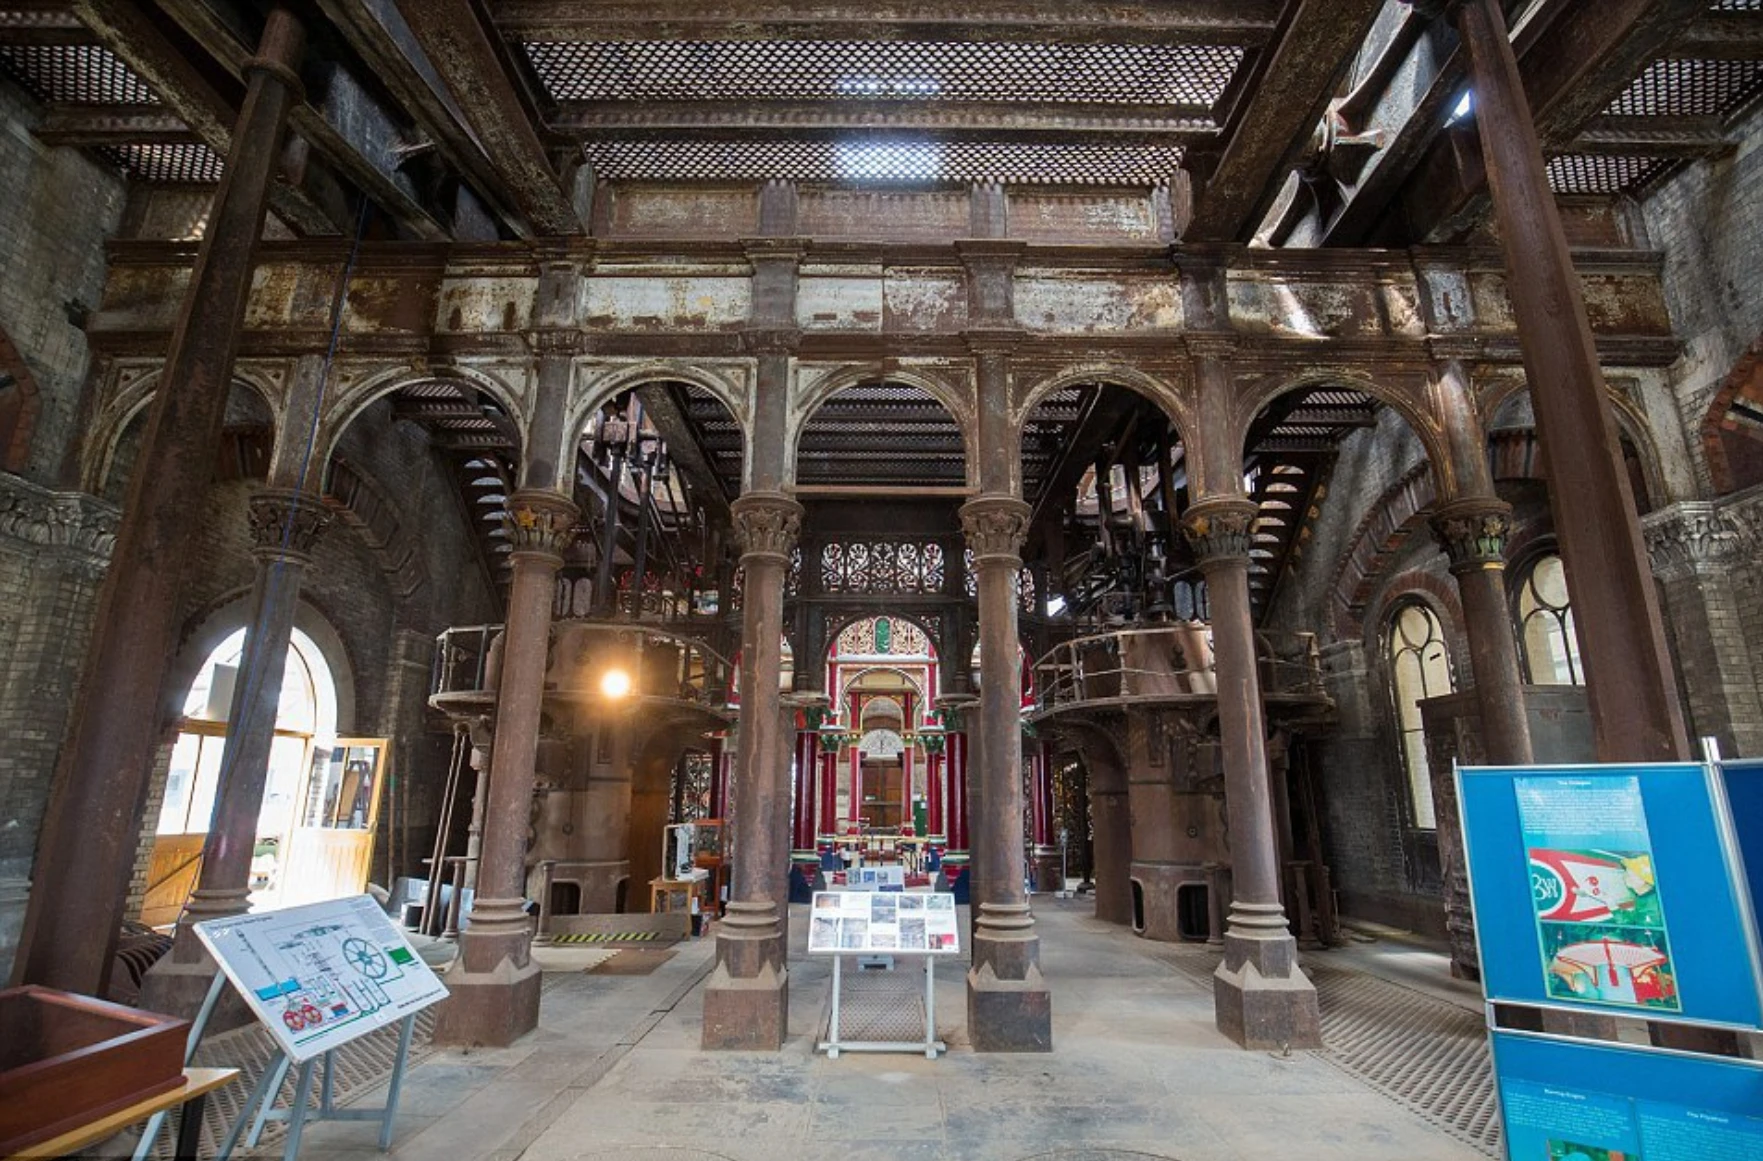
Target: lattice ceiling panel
(186,164)
(82,74)
(1586,173)
(883,160)
(882,434)
(1174,74)
(1690,88)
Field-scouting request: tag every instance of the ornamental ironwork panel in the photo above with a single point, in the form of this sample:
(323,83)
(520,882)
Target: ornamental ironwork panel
(1025,582)
(882,566)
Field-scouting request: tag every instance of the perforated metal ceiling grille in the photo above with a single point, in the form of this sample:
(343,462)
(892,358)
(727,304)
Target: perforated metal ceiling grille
(1738,6)
(881,434)
(1690,88)
(187,164)
(1173,74)
(1585,173)
(83,74)
(883,161)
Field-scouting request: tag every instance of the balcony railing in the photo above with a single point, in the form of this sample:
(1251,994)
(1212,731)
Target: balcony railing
(659,664)
(1168,661)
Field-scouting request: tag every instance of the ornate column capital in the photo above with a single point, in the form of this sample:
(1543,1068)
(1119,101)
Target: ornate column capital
(1694,537)
(1473,532)
(766,525)
(285,523)
(995,527)
(540,523)
(1220,528)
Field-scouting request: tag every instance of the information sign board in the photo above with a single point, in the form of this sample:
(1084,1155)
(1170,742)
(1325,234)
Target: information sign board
(853,922)
(1742,783)
(1565,1100)
(1609,887)
(320,975)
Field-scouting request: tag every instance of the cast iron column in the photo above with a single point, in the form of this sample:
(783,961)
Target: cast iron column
(1629,681)
(494,982)
(1473,532)
(1008,1006)
(746,999)
(284,525)
(1261,998)
(86,848)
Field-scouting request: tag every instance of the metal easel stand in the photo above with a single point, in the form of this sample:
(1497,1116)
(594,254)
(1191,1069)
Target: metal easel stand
(297,1114)
(930,1045)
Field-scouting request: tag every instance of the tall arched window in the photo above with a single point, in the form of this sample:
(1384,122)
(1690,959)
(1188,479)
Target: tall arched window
(1545,625)
(307,713)
(1420,668)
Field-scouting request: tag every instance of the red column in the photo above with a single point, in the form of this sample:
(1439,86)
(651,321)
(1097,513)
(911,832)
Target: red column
(802,816)
(1043,766)
(957,766)
(934,792)
(829,792)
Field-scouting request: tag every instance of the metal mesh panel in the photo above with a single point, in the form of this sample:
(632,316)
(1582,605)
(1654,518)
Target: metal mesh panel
(1586,173)
(83,74)
(883,161)
(1172,74)
(187,164)
(1690,88)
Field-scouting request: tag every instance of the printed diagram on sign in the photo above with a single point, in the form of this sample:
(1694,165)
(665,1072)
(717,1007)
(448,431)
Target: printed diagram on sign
(333,978)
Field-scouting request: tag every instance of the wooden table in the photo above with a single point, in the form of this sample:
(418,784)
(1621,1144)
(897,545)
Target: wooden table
(198,1083)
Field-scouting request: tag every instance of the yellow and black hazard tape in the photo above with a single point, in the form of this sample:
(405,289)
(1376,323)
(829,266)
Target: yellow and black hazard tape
(607,937)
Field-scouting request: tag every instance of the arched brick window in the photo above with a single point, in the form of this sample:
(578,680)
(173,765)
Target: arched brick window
(1545,625)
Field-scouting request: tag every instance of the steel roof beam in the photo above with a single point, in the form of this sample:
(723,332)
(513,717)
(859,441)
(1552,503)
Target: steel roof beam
(1270,128)
(1240,22)
(462,52)
(111,125)
(1721,36)
(989,121)
(1675,137)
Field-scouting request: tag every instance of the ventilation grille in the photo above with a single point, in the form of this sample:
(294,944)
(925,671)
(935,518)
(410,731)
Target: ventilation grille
(1586,173)
(1175,74)
(884,161)
(80,74)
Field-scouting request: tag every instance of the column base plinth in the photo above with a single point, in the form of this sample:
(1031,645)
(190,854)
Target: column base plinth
(746,1015)
(1260,998)
(1009,1008)
(488,1009)
(177,984)
(747,997)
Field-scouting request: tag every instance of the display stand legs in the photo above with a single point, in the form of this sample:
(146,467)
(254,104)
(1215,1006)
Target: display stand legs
(259,1110)
(930,1045)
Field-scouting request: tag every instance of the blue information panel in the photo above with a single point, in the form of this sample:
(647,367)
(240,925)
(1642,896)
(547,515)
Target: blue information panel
(1581,1101)
(1609,887)
(1743,784)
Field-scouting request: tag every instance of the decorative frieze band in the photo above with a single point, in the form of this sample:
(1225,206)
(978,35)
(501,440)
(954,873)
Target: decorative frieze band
(1220,528)
(1699,536)
(286,523)
(540,522)
(1473,532)
(996,527)
(38,516)
(766,525)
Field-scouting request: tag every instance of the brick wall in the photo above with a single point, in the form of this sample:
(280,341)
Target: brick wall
(57,207)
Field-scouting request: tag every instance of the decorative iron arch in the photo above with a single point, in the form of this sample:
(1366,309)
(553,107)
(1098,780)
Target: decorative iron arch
(956,399)
(593,391)
(1170,397)
(130,401)
(1414,412)
(356,395)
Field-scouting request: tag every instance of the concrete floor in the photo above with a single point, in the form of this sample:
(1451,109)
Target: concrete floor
(614,1072)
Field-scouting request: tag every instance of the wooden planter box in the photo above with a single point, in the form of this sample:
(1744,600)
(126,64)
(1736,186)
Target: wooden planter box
(66,1060)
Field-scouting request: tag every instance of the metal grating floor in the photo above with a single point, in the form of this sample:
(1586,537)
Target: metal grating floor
(1427,1055)
(361,1064)
(882,1005)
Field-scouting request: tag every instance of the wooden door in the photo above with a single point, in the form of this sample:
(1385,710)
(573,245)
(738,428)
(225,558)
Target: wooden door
(331,847)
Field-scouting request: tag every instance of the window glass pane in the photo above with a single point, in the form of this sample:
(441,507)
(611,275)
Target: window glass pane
(179,783)
(1549,579)
(1419,668)
(1551,652)
(207,783)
